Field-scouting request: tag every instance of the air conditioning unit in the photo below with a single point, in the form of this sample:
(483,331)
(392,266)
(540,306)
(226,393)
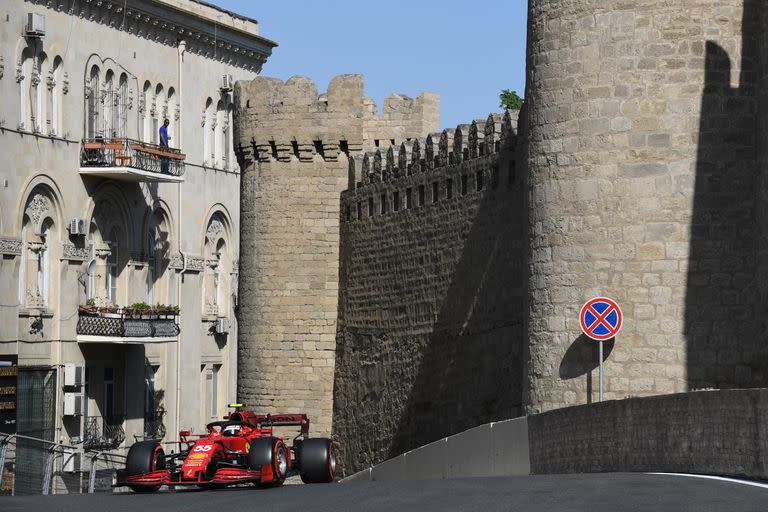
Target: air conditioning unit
(73,404)
(77,227)
(226,83)
(35,26)
(71,460)
(74,374)
(222,326)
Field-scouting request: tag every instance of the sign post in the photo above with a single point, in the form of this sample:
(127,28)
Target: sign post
(601,320)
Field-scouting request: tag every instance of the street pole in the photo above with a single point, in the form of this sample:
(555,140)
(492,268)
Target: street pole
(601,371)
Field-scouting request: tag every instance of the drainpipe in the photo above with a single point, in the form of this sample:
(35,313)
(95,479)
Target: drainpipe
(182,47)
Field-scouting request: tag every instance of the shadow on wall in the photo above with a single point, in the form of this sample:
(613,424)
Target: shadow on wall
(724,311)
(471,368)
(430,320)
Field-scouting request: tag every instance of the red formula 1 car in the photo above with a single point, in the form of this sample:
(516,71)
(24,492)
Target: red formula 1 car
(239,449)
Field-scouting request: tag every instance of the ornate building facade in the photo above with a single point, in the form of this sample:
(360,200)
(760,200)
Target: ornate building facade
(118,277)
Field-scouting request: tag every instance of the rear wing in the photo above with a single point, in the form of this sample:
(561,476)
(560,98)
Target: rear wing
(270,420)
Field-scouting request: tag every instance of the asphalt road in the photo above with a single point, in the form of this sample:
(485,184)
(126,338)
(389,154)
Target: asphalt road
(550,493)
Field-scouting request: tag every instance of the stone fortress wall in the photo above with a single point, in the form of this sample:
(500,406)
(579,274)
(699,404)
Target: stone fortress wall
(643,178)
(292,145)
(431,290)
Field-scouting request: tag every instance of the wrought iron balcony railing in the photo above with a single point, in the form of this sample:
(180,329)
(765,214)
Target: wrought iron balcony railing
(100,155)
(103,433)
(127,328)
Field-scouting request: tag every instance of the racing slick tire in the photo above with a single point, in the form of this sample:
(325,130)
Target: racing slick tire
(269,451)
(145,457)
(317,460)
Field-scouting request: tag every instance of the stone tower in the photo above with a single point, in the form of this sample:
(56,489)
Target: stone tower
(643,185)
(293,147)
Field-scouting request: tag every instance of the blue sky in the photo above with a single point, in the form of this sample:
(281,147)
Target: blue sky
(465,51)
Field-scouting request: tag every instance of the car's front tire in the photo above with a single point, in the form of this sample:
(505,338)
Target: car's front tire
(145,457)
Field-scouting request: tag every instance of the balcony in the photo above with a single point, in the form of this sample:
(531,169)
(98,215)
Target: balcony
(126,326)
(131,160)
(103,433)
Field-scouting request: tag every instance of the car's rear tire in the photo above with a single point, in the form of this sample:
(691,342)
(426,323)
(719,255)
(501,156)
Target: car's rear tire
(269,451)
(145,457)
(317,460)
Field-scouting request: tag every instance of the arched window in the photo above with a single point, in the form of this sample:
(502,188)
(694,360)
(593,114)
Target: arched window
(157,251)
(158,113)
(207,132)
(93,103)
(113,265)
(171,115)
(39,248)
(122,107)
(145,112)
(218,134)
(109,105)
(56,93)
(39,87)
(25,89)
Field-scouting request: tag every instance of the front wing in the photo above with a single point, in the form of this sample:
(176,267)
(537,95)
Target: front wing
(226,476)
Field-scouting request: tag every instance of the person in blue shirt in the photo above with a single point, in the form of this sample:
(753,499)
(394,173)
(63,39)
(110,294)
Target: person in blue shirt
(164,138)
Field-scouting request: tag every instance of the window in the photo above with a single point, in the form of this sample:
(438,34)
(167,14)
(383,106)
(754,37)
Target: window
(463,184)
(359,210)
(370,207)
(151,267)
(383,204)
(158,113)
(449,188)
(408,194)
(43,265)
(25,89)
(39,84)
(149,390)
(113,267)
(421,195)
(108,409)
(144,124)
(215,390)
(435,192)
(122,107)
(90,290)
(479,181)
(56,92)
(395,201)
(109,105)
(92,106)
(207,132)
(495,176)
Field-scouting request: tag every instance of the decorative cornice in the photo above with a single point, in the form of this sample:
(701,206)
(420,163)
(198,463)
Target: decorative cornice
(10,246)
(154,22)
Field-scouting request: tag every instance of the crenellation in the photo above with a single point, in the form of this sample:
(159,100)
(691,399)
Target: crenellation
(404,157)
(445,151)
(461,143)
(417,161)
(492,136)
(393,162)
(476,136)
(432,150)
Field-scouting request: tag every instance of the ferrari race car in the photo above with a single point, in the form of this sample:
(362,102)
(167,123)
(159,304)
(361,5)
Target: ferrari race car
(239,449)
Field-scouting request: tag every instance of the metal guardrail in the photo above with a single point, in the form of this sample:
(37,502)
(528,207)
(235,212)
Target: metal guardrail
(102,152)
(30,466)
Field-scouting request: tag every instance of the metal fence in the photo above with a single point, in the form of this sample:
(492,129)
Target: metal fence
(102,152)
(34,466)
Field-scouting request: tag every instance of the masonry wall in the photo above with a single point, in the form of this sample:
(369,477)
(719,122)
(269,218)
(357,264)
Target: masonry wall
(642,169)
(430,331)
(293,147)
